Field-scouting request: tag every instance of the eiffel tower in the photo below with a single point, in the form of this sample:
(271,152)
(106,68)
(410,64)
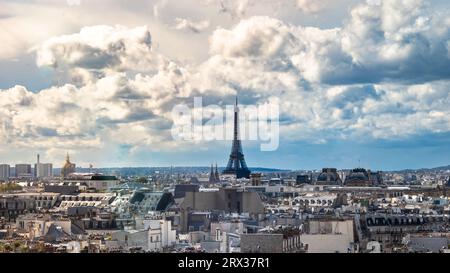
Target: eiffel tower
(236,164)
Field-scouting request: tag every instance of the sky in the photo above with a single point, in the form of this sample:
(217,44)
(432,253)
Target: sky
(360,83)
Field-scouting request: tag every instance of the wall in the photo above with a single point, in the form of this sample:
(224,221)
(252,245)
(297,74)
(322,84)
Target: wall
(262,243)
(326,243)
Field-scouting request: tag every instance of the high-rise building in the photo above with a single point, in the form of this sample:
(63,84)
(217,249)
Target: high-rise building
(68,167)
(23,171)
(236,164)
(47,170)
(43,170)
(36,166)
(5,171)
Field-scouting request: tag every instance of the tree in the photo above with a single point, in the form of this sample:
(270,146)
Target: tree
(142,180)
(9,187)
(8,248)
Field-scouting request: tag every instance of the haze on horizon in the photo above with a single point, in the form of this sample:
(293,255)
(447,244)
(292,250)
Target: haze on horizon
(360,82)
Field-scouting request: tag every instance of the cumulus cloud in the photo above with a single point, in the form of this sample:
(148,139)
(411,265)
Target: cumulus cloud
(26,123)
(312,6)
(193,26)
(99,50)
(400,39)
(340,76)
(236,8)
(97,47)
(379,43)
(260,37)
(376,111)
(115,105)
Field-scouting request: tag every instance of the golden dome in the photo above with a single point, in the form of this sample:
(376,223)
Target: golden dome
(68,167)
(67,162)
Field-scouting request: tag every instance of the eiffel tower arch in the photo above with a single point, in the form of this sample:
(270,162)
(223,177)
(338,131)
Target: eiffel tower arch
(236,164)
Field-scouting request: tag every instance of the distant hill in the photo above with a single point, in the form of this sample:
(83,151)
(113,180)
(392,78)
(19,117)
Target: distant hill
(144,171)
(444,168)
(436,169)
(268,170)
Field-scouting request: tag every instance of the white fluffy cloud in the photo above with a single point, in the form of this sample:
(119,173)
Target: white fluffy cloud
(396,39)
(100,50)
(312,6)
(114,108)
(259,37)
(369,111)
(194,26)
(379,43)
(373,64)
(236,8)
